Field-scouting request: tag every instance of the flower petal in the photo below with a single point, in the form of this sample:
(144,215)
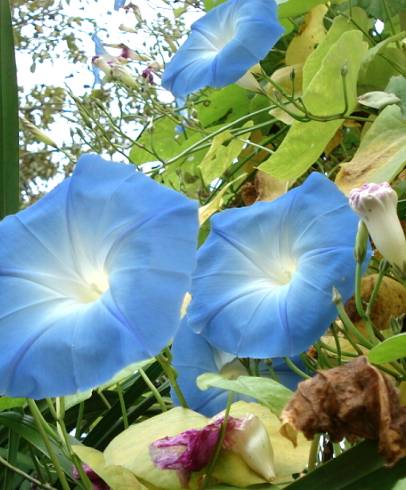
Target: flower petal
(193,356)
(223,45)
(263,285)
(92,279)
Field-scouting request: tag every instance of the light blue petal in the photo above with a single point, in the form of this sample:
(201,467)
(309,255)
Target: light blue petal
(118,4)
(193,356)
(92,279)
(223,45)
(99,51)
(263,285)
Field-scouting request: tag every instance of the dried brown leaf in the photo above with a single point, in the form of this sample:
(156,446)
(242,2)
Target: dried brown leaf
(353,401)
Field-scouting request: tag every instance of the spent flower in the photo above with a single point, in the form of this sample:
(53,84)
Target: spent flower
(193,449)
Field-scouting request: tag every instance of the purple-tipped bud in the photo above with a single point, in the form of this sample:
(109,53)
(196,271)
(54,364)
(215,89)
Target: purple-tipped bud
(97,482)
(376,204)
(148,74)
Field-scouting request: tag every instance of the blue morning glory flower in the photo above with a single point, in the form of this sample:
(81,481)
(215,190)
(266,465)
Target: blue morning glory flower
(265,275)
(92,278)
(223,45)
(193,356)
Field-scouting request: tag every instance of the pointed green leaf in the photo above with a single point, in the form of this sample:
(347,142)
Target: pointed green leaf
(323,96)
(9,126)
(267,391)
(389,350)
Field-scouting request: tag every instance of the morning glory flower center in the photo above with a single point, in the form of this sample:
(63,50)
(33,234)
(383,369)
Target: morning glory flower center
(224,38)
(95,284)
(281,273)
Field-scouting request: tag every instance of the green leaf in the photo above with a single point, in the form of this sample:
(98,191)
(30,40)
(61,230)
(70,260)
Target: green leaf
(389,350)
(6,403)
(117,477)
(293,8)
(210,4)
(26,428)
(223,151)
(9,126)
(397,86)
(323,96)
(267,391)
(381,154)
(376,8)
(384,56)
(221,106)
(160,142)
(318,57)
(351,469)
(376,73)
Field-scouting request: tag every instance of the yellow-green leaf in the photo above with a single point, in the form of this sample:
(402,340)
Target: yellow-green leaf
(381,154)
(223,151)
(389,350)
(323,96)
(338,28)
(117,477)
(312,33)
(267,391)
(131,448)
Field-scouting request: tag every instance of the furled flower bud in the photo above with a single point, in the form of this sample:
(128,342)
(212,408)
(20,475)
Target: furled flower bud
(123,75)
(40,135)
(193,449)
(376,205)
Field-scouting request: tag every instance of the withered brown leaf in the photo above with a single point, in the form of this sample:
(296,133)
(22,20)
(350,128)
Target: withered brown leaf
(354,401)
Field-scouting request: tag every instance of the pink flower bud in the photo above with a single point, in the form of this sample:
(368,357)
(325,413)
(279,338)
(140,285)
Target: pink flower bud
(376,205)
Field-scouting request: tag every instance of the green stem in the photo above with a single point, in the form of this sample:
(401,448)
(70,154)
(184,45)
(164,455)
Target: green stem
(219,131)
(349,327)
(51,453)
(60,413)
(153,389)
(295,369)
(171,375)
(382,268)
(337,342)
(220,441)
(78,428)
(25,475)
(119,390)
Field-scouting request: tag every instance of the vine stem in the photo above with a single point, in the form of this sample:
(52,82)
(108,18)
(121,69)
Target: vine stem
(38,421)
(220,440)
(171,375)
(153,389)
(64,436)
(22,473)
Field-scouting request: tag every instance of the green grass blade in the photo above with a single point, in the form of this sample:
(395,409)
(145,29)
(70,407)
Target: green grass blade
(9,171)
